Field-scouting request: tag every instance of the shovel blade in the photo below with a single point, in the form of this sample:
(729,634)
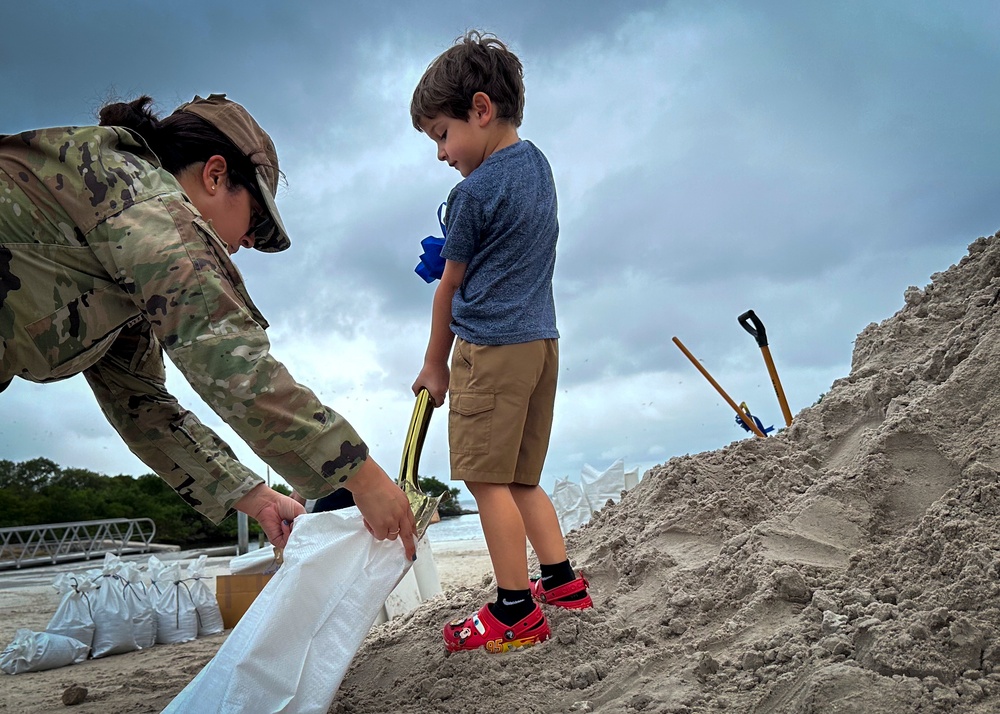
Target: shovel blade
(422,505)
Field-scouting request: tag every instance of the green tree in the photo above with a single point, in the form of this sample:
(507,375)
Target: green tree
(39,491)
(449,504)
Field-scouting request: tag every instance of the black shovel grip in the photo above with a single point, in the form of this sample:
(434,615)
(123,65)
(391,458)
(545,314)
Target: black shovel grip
(757,330)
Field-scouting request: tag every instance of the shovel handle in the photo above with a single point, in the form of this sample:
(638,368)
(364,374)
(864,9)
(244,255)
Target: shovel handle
(760,335)
(758,331)
(739,412)
(419,422)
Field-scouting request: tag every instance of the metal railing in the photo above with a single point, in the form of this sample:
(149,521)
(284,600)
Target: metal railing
(57,542)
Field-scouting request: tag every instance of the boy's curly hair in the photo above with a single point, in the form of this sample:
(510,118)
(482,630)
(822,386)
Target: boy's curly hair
(478,62)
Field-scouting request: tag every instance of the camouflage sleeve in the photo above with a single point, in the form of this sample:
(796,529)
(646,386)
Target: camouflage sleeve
(129,383)
(182,279)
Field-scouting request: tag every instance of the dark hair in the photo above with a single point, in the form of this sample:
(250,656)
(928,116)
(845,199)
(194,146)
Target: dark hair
(478,62)
(181,140)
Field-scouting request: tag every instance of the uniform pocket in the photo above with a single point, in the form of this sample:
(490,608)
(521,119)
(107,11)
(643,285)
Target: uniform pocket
(470,421)
(77,334)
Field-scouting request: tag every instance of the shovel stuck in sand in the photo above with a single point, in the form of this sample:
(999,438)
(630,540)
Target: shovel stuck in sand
(760,335)
(744,416)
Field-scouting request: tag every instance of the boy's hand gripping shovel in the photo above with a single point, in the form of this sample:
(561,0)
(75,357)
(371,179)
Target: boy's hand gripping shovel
(760,335)
(422,505)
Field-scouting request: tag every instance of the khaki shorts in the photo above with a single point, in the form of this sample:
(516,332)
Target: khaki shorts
(500,410)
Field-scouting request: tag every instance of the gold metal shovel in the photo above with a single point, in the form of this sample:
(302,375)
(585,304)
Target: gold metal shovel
(423,506)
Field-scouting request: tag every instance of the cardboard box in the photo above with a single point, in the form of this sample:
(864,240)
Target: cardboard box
(236,593)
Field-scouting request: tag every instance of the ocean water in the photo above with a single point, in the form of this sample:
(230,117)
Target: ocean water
(465,527)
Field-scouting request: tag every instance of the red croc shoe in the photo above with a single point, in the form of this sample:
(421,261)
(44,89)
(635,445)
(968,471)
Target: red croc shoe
(482,629)
(557,595)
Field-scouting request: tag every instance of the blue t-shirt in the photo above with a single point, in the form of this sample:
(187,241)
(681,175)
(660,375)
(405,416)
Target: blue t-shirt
(501,221)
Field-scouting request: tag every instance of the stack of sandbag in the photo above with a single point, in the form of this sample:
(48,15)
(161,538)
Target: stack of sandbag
(575,503)
(185,605)
(115,609)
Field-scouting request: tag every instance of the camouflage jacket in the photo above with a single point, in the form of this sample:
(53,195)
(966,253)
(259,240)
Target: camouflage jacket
(104,264)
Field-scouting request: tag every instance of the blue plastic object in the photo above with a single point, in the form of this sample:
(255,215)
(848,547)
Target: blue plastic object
(431,266)
(760,425)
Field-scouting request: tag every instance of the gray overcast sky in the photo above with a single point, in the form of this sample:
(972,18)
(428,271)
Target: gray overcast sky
(807,160)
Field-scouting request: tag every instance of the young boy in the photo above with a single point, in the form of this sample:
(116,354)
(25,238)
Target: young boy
(495,303)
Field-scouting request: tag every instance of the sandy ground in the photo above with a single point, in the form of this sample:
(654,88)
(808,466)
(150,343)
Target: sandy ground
(147,680)
(850,563)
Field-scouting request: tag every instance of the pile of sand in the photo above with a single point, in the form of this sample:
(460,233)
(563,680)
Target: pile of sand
(848,564)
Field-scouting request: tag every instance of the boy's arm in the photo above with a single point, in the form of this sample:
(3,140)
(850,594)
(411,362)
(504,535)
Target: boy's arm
(435,372)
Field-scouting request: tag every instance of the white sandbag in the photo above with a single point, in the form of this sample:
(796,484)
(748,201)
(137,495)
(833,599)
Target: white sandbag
(38,651)
(261,561)
(176,614)
(112,617)
(601,486)
(73,617)
(425,570)
(205,604)
(631,478)
(139,606)
(291,649)
(154,570)
(572,507)
(420,583)
(404,598)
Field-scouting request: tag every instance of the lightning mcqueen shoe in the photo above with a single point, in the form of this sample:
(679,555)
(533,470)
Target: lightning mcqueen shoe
(483,630)
(557,595)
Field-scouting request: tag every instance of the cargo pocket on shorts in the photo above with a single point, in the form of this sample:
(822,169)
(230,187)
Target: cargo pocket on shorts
(470,421)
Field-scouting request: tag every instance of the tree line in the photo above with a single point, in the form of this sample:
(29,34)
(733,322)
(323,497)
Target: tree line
(39,491)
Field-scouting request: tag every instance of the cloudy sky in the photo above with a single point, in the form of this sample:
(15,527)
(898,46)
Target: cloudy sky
(809,161)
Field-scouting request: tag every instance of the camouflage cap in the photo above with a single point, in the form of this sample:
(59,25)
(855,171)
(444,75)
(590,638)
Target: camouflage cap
(240,128)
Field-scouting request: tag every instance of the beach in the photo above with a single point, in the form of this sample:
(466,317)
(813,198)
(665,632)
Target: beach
(849,563)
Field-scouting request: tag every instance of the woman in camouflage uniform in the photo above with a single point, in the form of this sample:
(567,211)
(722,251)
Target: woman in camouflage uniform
(115,244)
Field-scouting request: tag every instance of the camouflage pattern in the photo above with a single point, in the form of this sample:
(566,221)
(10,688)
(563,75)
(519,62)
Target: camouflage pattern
(104,264)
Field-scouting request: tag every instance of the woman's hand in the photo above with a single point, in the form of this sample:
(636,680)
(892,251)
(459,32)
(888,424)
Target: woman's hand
(272,510)
(384,506)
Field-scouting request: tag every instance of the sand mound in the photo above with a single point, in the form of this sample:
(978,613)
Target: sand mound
(848,564)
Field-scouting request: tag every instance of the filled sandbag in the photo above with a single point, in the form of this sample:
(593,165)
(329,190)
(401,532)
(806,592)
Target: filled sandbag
(140,606)
(176,614)
(37,651)
(73,617)
(205,603)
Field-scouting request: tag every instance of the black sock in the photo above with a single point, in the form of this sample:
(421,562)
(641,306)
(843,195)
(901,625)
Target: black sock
(559,574)
(512,606)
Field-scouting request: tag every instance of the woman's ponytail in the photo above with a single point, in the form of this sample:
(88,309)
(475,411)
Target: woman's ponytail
(178,140)
(135,115)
